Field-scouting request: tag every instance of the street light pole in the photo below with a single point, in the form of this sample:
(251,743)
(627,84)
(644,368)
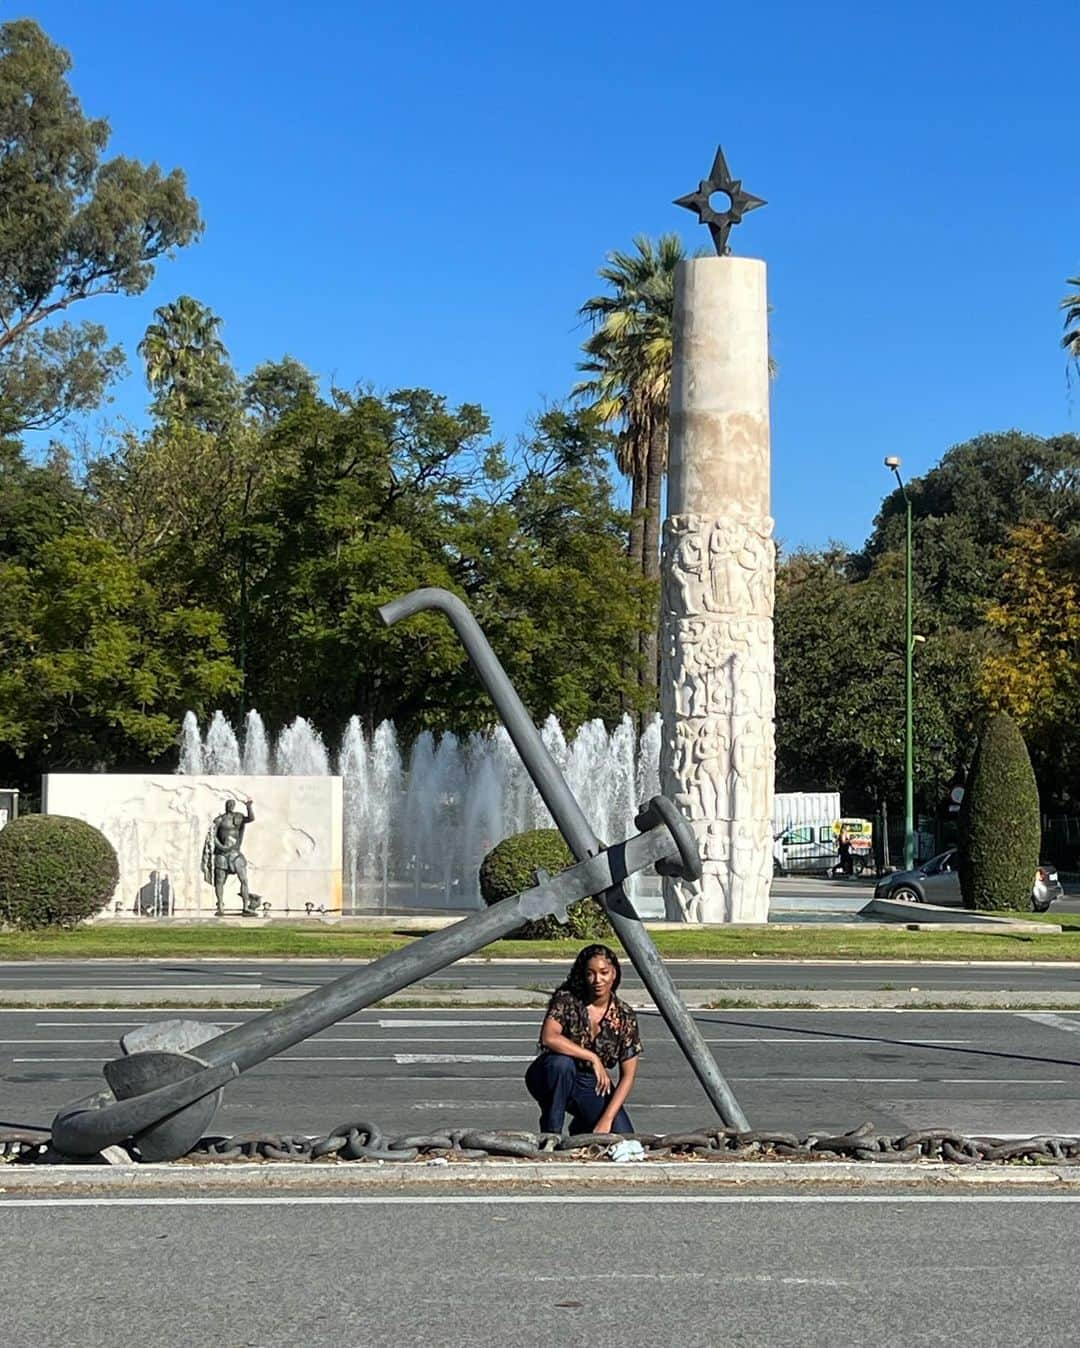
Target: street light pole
(893,463)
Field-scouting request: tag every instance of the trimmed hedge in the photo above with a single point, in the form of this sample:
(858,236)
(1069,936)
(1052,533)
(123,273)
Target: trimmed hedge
(54,871)
(999,821)
(511,867)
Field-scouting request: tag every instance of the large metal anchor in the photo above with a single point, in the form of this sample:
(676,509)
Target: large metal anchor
(162,1094)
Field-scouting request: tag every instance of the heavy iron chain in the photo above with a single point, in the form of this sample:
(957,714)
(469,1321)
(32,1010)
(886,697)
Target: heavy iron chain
(365,1141)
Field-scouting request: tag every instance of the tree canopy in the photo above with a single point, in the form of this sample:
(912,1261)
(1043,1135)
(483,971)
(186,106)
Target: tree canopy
(74,226)
(995,529)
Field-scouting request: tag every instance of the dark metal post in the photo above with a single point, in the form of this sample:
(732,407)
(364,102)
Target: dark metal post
(909,703)
(579,836)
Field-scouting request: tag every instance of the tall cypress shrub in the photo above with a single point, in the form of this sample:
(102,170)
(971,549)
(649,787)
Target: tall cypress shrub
(999,821)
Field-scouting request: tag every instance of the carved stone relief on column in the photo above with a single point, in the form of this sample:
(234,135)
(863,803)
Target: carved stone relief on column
(717,700)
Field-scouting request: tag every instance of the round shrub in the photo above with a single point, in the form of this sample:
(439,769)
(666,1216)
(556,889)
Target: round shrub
(54,871)
(511,866)
(999,821)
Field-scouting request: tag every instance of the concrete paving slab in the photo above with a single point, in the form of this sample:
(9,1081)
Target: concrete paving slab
(184,1177)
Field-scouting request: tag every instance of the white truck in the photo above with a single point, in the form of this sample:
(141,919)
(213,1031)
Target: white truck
(806,826)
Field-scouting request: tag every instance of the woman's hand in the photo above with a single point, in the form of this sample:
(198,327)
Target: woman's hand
(603,1079)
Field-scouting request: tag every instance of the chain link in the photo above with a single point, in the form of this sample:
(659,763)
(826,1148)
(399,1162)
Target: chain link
(365,1141)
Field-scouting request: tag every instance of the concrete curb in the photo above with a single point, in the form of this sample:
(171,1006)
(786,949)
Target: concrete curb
(380,1177)
(697,999)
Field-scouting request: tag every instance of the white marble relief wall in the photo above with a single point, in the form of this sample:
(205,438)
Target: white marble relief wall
(158,825)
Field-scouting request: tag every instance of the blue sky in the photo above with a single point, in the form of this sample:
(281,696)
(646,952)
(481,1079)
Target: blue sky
(416,193)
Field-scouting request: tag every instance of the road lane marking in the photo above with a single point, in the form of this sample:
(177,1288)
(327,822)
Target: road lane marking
(52,1060)
(154,987)
(1004,1081)
(1052,1021)
(502,1200)
(405,1059)
(447,1106)
(104,1025)
(446,1024)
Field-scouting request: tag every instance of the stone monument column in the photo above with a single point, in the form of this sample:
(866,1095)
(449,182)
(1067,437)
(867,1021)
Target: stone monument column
(717,688)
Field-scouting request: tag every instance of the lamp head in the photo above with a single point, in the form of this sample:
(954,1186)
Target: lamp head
(892,462)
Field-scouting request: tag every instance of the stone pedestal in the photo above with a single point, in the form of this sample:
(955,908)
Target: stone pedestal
(717,684)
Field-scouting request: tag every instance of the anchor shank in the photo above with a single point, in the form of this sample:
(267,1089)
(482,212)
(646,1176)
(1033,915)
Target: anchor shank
(581,839)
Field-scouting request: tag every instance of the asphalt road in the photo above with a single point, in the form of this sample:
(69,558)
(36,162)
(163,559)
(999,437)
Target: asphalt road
(250,977)
(410,1071)
(473,1271)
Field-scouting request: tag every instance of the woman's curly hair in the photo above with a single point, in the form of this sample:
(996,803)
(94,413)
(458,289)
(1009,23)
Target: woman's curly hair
(575,983)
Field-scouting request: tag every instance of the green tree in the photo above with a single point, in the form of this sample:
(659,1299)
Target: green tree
(186,500)
(370,497)
(999,821)
(1033,668)
(73,227)
(560,599)
(94,670)
(628,357)
(1071,305)
(277,387)
(964,509)
(840,691)
(187,365)
(38,502)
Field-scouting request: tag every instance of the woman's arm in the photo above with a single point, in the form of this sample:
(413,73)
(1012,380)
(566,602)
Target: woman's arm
(553,1039)
(627,1072)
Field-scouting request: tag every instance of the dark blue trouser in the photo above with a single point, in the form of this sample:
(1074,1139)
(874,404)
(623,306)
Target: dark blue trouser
(559,1083)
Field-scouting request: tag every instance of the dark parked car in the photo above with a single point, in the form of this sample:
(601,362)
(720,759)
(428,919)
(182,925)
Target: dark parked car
(938,881)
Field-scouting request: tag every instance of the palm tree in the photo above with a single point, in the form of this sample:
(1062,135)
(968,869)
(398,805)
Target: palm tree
(629,360)
(185,358)
(1071,304)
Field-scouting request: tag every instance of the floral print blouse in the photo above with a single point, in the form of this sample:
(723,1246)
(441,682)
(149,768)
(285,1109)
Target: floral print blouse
(617,1038)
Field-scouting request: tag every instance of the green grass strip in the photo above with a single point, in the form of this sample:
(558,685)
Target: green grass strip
(328,942)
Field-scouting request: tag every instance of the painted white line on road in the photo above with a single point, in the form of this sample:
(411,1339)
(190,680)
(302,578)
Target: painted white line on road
(51,1060)
(269,1062)
(839,1039)
(828,1081)
(518,1038)
(105,1025)
(503,1200)
(144,987)
(1052,1021)
(447,1106)
(445,1024)
(405,1059)
(780,1278)
(1004,1081)
(412,1039)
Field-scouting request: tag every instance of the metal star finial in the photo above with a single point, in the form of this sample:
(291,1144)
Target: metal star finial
(720,222)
